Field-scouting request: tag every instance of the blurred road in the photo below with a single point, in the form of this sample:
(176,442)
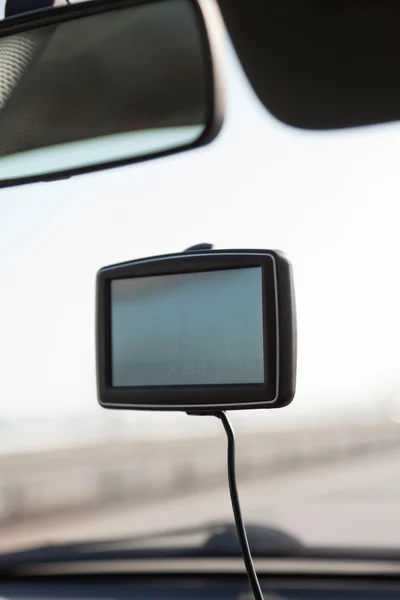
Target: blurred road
(350,502)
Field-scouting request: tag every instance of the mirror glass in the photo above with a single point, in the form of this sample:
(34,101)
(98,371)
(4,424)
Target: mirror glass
(111,86)
(188,329)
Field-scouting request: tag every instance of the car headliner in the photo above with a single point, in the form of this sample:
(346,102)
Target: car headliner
(320,64)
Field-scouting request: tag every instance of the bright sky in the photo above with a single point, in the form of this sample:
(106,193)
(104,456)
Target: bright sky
(331,201)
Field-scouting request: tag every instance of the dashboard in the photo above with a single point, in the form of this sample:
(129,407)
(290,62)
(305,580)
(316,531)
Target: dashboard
(193,588)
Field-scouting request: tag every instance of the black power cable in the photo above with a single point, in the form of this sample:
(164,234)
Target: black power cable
(237,512)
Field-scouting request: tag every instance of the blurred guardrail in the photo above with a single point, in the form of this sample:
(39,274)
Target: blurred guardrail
(38,484)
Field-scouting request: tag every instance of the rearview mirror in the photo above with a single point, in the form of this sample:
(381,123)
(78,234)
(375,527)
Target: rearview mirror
(106,83)
(198,332)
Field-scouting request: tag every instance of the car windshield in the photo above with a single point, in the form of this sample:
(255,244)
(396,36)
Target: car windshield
(325,469)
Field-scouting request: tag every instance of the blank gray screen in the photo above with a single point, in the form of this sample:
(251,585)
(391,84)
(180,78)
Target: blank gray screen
(188,329)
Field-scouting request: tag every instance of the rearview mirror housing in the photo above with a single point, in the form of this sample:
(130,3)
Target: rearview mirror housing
(143,82)
(198,332)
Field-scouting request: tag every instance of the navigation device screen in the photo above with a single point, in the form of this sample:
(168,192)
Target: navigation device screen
(189,329)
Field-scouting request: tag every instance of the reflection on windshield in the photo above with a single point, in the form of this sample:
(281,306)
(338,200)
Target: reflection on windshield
(323,486)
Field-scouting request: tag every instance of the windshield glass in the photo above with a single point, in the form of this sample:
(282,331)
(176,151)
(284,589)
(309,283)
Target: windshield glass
(325,469)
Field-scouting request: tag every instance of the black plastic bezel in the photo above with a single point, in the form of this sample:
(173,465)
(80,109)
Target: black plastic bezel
(211,26)
(279,336)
